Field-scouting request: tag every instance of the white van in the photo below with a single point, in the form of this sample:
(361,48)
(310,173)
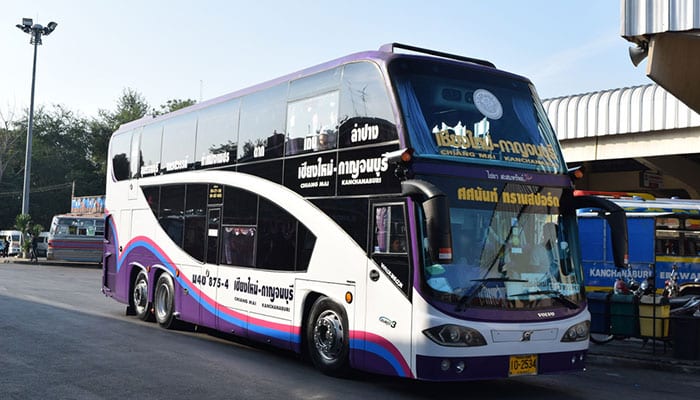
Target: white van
(43,244)
(14,238)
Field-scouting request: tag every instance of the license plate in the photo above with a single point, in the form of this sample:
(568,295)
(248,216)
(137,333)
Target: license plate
(523,365)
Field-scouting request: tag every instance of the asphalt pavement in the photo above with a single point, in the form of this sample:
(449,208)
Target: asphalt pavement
(649,354)
(628,352)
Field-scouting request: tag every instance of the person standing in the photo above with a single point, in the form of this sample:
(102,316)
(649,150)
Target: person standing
(33,253)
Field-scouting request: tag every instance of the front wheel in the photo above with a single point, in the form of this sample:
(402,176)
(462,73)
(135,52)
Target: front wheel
(327,337)
(601,338)
(164,302)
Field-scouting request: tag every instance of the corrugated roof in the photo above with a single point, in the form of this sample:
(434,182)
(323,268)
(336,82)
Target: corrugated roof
(645,17)
(618,111)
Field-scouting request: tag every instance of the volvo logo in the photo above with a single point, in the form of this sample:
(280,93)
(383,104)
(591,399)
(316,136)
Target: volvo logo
(527,335)
(548,314)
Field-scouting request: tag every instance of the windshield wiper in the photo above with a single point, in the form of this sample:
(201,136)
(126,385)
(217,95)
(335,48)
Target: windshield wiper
(464,301)
(553,294)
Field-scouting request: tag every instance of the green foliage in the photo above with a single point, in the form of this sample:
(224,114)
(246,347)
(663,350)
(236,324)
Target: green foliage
(68,150)
(23,222)
(173,105)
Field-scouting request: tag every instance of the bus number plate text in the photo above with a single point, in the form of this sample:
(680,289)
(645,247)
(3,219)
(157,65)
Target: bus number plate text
(523,365)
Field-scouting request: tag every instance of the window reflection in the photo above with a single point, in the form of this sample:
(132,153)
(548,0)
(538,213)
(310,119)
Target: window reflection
(312,124)
(217,134)
(262,124)
(390,230)
(238,245)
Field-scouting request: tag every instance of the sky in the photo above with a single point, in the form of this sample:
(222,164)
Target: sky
(183,49)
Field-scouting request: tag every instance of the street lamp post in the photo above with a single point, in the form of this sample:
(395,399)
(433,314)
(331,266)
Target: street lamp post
(35,31)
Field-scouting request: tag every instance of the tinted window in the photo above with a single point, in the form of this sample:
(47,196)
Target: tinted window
(238,245)
(152,195)
(276,238)
(178,143)
(312,113)
(217,134)
(120,155)
(240,207)
(350,214)
(366,115)
(150,149)
(314,85)
(390,230)
(312,123)
(271,170)
(305,246)
(195,221)
(135,162)
(262,124)
(172,210)
(475,115)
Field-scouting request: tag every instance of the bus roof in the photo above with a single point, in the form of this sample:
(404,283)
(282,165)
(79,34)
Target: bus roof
(93,215)
(383,55)
(657,206)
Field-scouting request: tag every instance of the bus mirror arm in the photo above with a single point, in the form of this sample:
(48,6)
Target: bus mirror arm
(437,217)
(616,218)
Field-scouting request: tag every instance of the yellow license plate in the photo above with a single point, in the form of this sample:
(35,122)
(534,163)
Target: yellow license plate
(523,365)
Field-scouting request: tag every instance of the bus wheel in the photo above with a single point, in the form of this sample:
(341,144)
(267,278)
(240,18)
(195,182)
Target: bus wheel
(601,338)
(327,337)
(164,302)
(139,297)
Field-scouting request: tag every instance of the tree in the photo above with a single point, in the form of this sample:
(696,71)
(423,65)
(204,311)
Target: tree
(9,140)
(61,157)
(173,105)
(130,106)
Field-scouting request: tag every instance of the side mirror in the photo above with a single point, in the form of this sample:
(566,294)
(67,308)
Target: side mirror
(616,218)
(437,218)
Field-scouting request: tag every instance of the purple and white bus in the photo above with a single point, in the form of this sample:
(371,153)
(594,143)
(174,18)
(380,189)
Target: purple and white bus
(402,211)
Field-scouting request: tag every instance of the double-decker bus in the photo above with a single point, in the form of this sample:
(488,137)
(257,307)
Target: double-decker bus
(664,241)
(402,211)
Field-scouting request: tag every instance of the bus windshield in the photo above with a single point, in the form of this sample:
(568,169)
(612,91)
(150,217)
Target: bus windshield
(511,248)
(474,115)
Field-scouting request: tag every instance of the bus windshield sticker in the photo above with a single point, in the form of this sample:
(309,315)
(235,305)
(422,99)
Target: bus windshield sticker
(488,104)
(520,197)
(464,143)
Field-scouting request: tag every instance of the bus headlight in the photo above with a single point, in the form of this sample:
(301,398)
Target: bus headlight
(455,335)
(577,332)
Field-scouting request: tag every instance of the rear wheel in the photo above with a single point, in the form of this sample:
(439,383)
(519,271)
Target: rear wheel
(164,302)
(327,337)
(139,297)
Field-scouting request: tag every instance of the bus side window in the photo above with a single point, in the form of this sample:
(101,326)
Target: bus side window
(390,230)
(666,247)
(692,245)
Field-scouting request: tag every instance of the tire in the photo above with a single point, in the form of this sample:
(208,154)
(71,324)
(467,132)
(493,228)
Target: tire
(164,302)
(601,338)
(327,337)
(139,297)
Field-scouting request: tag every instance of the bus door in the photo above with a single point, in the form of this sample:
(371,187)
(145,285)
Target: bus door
(109,257)
(213,228)
(389,276)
